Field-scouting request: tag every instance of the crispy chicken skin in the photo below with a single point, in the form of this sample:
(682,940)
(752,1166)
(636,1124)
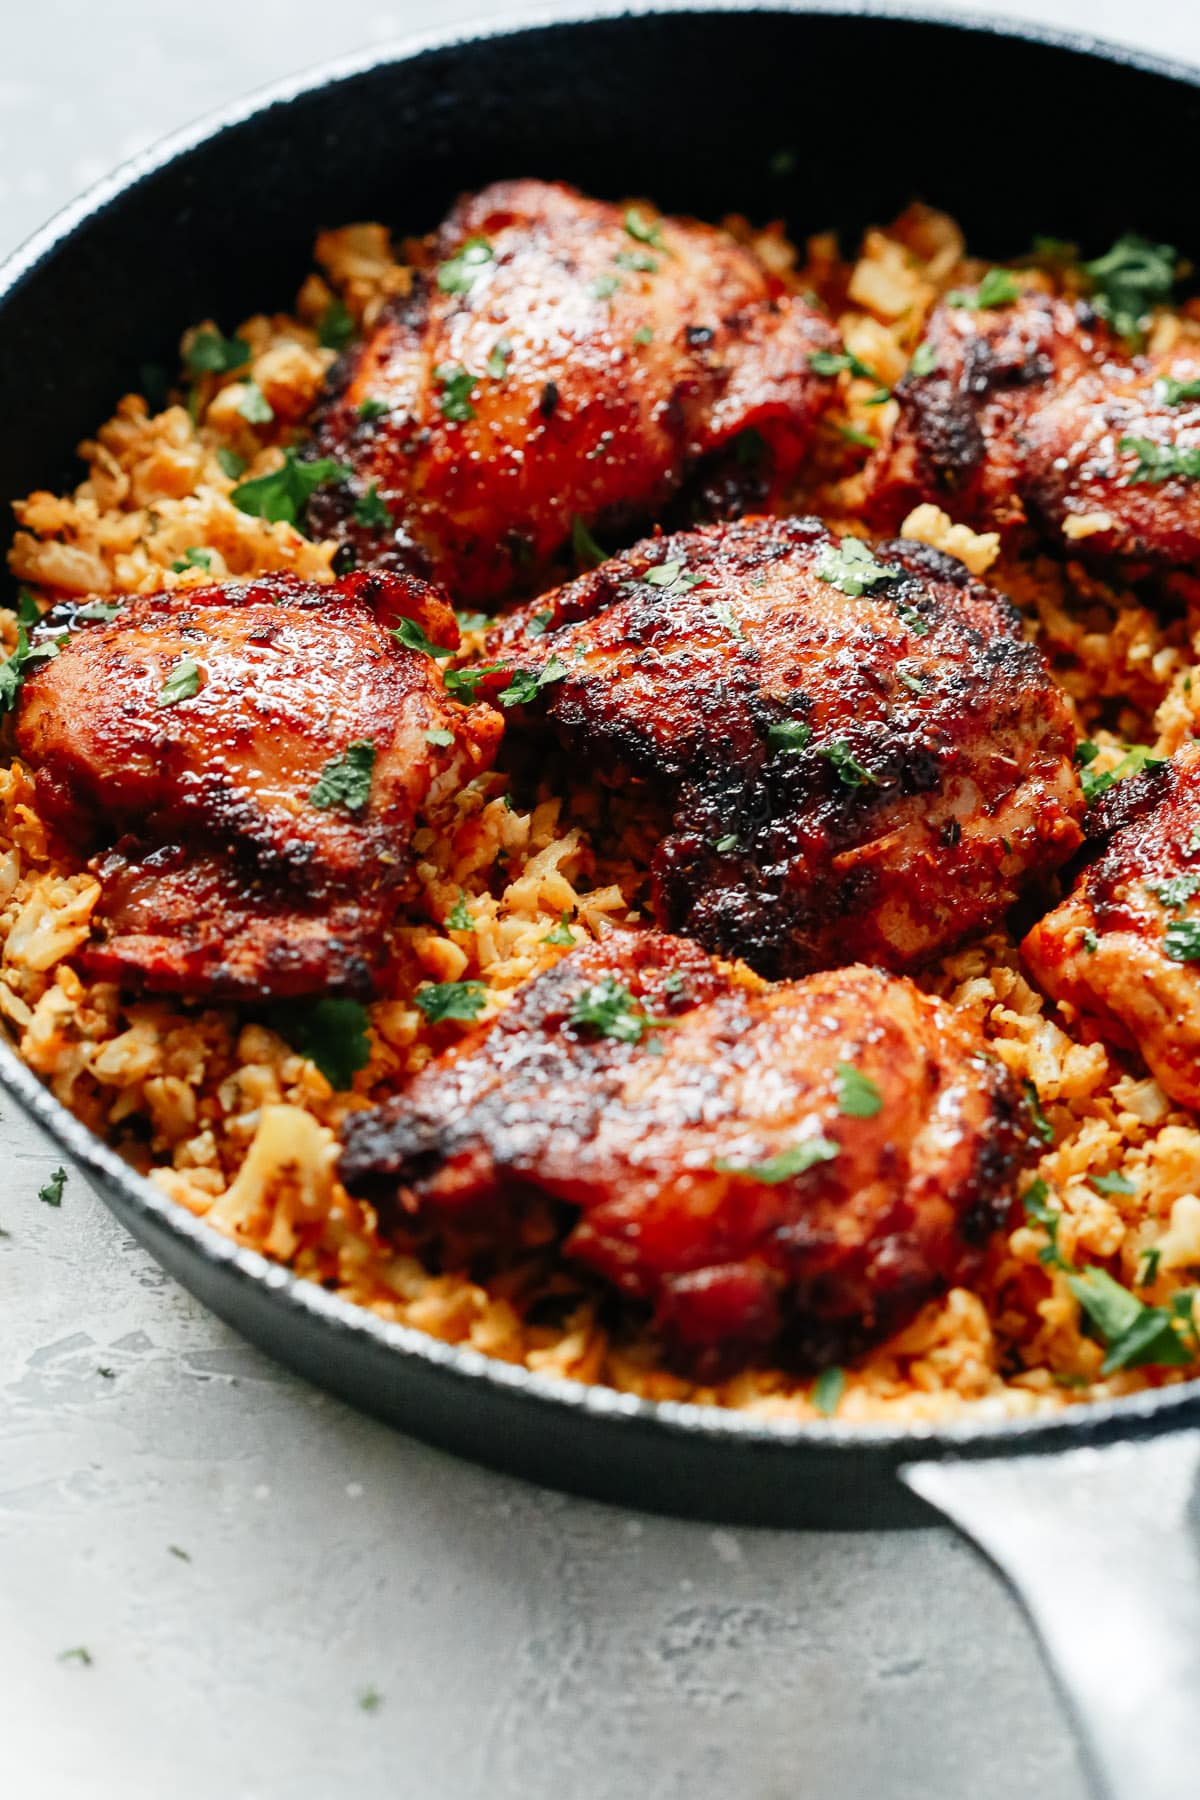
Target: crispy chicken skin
(1122,947)
(850,777)
(673,1144)
(578,371)
(220,873)
(1020,422)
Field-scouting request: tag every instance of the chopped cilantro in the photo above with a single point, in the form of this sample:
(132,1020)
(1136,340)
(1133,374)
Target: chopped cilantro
(1091,942)
(1129,280)
(460,918)
(331,1033)
(370,510)
(540,621)
(443,739)
(827,1391)
(998,288)
(336,327)
(1150,1259)
(462,271)
(609,1010)
(723,845)
(604,287)
(1037,1208)
(924,360)
(836,362)
(1157,463)
(645,231)
(411,635)
(52,1192)
(1181,940)
(254,406)
(230,463)
(914,682)
(457,385)
(788,735)
(370,1700)
(588,553)
(183,683)
(850,567)
(1041,1123)
(561,933)
(497,362)
(644,335)
(211,354)
(1174,393)
(908,615)
(1175,892)
(345,781)
(794,1161)
(863,439)
(181,1555)
(640,261)
(462,1000)
(858,1096)
(1112,1183)
(193,558)
(371,409)
(282,495)
(24,658)
(79,1654)
(27,609)
(1136,759)
(722,611)
(850,773)
(464,682)
(1134,1333)
(525,683)
(97,612)
(472,621)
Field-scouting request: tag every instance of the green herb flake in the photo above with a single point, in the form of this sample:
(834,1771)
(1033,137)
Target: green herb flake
(838,362)
(540,623)
(722,611)
(254,406)
(863,439)
(1039,1212)
(724,845)
(370,1700)
(644,335)
(336,327)
(443,1000)
(609,1010)
(51,1192)
(858,1096)
(850,567)
(25,658)
(331,1033)
(344,784)
(473,621)
(1148,1271)
(464,683)
(230,463)
(998,288)
(604,287)
(193,558)
(588,553)
(561,933)
(1113,1183)
(643,230)
(413,637)
(457,385)
(1181,940)
(924,360)
(370,409)
(281,496)
(1091,942)
(497,362)
(1177,891)
(795,1161)
(183,683)
(788,735)
(1136,760)
(850,773)
(79,1653)
(442,738)
(1041,1123)
(27,609)
(460,918)
(827,1390)
(526,683)
(640,261)
(370,510)
(462,271)
(211,354)
(180,1555)
(1173,393)
(1129,280)
(1135,1334)
(1157,463)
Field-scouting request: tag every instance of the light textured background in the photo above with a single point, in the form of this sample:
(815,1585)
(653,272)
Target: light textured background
(524,1646)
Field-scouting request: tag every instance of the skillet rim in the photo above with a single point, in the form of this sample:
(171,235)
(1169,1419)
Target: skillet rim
(125,1191)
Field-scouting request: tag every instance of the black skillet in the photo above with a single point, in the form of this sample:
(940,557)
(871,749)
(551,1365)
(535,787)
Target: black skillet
(1014,132)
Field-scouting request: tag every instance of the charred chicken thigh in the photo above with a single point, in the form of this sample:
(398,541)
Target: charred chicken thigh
(799,1166)
(861,756)
(1036,414)
(1123,948)
(559,362)
(247,762)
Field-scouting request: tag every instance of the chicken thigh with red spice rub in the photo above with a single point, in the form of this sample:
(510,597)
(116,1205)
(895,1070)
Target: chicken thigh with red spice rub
(247,762)
(560,359)
(860,755)
(1035,414)
(797,1167)
(1123,949)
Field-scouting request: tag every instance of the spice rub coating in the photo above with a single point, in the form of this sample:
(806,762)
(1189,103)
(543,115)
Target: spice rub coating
(1123,947)
(796,1167)
(246,762)
(1036,415)
(557,359)
(861,756)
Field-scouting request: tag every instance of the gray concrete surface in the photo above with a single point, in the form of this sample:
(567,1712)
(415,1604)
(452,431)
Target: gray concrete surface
(285,1601)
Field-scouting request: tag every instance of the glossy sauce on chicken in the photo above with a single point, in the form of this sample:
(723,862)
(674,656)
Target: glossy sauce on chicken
(794,1168)
(861,756)
(560,362)
(247,762)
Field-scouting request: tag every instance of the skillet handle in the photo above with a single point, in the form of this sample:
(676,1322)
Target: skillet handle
(1103,1550)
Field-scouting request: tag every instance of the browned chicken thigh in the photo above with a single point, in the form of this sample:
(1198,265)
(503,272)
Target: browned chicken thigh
(798,1167)
(248,761)
(861,756)
(1123,948)
(1035,414)
(560,359)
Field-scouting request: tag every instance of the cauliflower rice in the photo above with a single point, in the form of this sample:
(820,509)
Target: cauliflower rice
(233,1123)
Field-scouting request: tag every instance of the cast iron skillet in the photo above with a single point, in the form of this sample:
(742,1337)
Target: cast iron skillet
(1006,128)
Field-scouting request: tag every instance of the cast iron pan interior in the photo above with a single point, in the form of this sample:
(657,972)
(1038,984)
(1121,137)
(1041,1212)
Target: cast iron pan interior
(1004,127)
